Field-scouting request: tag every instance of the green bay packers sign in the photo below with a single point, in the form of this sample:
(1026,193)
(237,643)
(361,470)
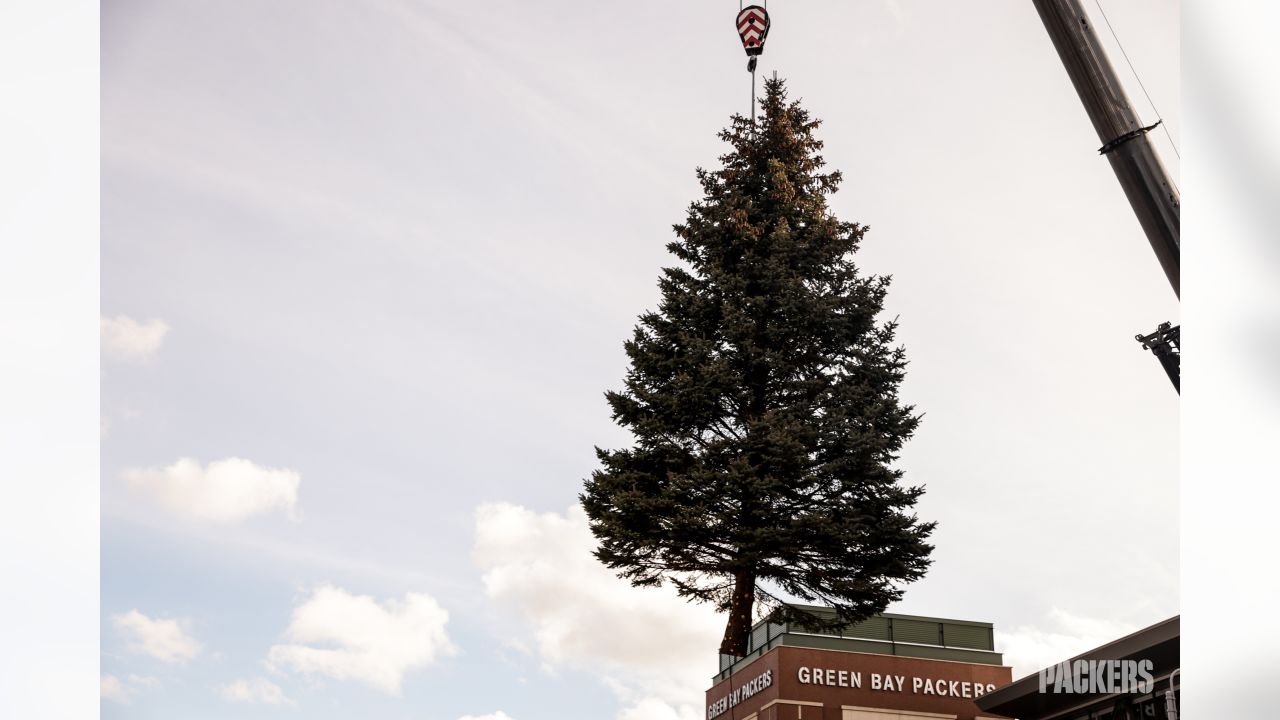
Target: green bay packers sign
(888,682)
(753,686)
(823,681)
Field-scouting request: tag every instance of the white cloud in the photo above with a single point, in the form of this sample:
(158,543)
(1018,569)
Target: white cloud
(143,681)
(1029,648)
(164,640)
(895,8)
(122,691)
(124,338)
(495,716)
(226,491)
(258,690)
(653,709)
(111,688)
(655,650)
(361,640)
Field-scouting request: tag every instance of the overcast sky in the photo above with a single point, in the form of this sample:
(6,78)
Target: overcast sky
(367,269)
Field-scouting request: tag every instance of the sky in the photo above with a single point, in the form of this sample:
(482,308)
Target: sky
(366,273)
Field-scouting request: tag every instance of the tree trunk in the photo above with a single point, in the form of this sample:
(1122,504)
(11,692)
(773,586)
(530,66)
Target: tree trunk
(738,630)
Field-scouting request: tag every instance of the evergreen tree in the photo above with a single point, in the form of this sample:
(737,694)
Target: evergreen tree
(763,398)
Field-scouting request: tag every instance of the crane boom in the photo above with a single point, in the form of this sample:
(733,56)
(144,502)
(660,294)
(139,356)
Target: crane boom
(1152,194)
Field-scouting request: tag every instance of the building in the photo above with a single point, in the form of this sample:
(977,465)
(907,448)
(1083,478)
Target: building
(1154,653)
(889,667)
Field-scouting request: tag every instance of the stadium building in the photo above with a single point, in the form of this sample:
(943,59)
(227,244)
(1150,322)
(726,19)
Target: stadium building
(889,667)
(1046,695)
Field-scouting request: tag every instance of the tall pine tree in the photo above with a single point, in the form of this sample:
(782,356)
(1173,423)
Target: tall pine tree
(763,398)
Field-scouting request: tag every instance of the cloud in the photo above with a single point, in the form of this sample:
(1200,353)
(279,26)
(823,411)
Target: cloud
(226,491)
(141,681)
(1029,648)
(361,640)
(653,709)
(124,338)
(164,640)
(495,716)
(110,688)
(653,649)
(256,691)
(122,691)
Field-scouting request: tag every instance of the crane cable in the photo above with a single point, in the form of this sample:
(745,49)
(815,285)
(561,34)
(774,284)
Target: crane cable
(1134,70)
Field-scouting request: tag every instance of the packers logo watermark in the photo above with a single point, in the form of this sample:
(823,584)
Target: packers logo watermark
(1103,677)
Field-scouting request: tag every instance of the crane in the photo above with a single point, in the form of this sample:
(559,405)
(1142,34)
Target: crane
(1153,196)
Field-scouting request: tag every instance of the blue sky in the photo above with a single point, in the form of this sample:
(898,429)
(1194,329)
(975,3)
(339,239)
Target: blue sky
(386,254)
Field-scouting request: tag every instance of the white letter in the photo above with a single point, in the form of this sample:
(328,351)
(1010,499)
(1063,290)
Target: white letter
(1063,682)
(1144,672)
